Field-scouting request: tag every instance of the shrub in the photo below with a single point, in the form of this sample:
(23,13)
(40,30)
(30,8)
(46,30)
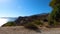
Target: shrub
(37,22)
(31,26)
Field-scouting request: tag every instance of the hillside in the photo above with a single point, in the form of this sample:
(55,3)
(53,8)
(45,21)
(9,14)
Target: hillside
(31,22)
(28,19)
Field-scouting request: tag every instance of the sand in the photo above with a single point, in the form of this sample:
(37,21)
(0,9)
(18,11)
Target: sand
(22,30)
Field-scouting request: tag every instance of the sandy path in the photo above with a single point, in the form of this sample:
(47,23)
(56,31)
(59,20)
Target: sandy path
(22,30)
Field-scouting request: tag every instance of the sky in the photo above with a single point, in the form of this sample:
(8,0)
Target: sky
(16,8)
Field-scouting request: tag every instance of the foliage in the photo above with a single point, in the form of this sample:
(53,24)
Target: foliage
(31,26)
(54,3)
(55,14)
(38,22)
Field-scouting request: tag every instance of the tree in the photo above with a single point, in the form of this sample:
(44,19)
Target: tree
(55,14)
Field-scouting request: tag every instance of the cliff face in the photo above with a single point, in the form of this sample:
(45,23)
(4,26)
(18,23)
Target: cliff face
(29,19)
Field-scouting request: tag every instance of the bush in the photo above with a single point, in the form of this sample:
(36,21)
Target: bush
(37,22)
(31,26)
(53,23)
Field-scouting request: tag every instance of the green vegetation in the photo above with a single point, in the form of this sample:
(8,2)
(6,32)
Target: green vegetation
(55,14)
(38,22)
(33,25)
(30,26)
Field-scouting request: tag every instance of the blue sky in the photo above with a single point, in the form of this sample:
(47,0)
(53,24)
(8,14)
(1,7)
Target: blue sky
(15,8)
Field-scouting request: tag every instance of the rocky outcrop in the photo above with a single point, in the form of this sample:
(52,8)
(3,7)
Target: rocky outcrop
(29,19)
